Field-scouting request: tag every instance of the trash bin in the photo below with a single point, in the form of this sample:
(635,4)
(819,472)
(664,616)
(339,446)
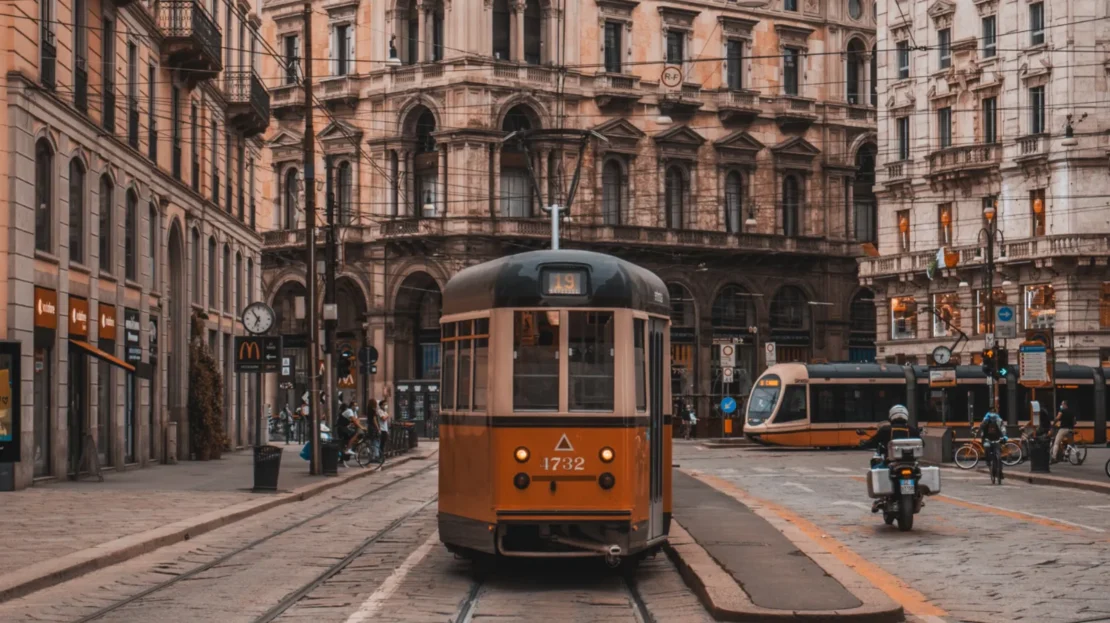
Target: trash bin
(267,462)
(1040,449)
(329,458)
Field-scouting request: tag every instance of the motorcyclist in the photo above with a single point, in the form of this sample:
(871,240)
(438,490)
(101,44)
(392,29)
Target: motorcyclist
(899,427)
(992,432)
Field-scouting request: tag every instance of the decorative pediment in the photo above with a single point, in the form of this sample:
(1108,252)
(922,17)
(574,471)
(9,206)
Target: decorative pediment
(738,148)
(677,18)
(796,151)
(623,136)
(286,146)
(680,136)
(339,129)
(736,26)
(793,36)
(942,12)
(986,7)
(900,28)
(620,9)
(286,138)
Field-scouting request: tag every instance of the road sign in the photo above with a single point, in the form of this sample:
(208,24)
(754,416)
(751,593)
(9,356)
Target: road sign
(772,353)
(1005,322)
(726,375)
(942,377)
(1034,365)
(367,355)
(728,405)
(671,76)
(258,353)
(728,356)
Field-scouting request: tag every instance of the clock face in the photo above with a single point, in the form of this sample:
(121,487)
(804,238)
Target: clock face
(942,355)
(258,318)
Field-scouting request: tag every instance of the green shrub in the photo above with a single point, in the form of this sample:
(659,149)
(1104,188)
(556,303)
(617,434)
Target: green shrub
(206,397)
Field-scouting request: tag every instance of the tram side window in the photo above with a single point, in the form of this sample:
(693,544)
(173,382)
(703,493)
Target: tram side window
(481,362)
(536,361)
(465,340)
(447,397)
(793,405)
(590,358)
(885,398)
(826,405)
(638,356)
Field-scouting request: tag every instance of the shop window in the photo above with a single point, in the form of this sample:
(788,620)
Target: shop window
(536,361)
(983,321)
(1040,306)
(903,318)
(1037,209)
(946,320)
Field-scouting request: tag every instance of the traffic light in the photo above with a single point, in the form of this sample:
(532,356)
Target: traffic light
(989,363)
(1002,362)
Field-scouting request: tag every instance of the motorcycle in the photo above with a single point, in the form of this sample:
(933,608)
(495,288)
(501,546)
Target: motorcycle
(898,483)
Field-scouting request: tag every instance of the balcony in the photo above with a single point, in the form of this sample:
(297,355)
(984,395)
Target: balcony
(287,101)
(737,106)
(248,103)
(81,86)
(1032,148)
(535,75)
(963,162)
(192,42)
(48,59)
(794,113)
(899,172)
(339,91)
(283,239)
(685,101)
(616,90)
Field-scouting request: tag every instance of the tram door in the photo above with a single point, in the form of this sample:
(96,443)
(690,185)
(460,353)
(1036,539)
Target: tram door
(655,425)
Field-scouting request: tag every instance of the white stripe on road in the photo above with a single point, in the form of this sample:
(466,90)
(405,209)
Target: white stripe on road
(1028,514)
(764,470)
(369,608)
(1101,507)
(799,486)
(859,505)
(803,470)
(842,470)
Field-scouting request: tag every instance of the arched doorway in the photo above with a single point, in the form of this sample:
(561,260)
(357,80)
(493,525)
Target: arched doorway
(864,211)
(416,349)
(734,324)
(177,327)
(862,327)
(517,198)
(349,338)
(289,321)
(684,345)
(790,325)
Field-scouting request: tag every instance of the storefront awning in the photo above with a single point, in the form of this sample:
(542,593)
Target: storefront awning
(99,354)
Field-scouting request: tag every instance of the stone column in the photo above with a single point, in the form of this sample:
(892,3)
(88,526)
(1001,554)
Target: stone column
(518,39)
(441,192)
(422,30)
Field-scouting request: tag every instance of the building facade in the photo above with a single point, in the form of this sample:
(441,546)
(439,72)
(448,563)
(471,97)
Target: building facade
(730,165)
(992,106)
(133,132)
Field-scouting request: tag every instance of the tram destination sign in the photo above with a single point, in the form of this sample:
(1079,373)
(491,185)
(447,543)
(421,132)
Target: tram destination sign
(564,282)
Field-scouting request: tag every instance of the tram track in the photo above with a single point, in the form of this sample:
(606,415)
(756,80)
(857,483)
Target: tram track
(224,558)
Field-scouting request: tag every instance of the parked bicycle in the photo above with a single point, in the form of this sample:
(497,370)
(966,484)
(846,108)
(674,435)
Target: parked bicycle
(1072,450)
(969,454)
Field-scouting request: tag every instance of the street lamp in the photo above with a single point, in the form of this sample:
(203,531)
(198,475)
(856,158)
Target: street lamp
(750,221)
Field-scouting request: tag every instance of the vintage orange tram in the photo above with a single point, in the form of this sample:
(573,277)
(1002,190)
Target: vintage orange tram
(555,423)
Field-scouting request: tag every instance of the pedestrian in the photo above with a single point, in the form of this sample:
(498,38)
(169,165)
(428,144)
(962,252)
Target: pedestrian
(1065,420)
(383,426)
(287,423)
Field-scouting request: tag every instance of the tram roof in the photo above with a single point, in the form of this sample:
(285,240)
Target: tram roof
(855,371)
(516,281)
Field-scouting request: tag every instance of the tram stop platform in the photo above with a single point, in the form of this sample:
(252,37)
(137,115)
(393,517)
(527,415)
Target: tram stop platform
(744,568)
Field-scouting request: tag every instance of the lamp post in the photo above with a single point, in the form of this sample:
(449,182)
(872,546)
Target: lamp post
(990,211)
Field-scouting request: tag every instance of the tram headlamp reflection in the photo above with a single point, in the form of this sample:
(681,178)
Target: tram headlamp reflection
(606,455)
(522,455)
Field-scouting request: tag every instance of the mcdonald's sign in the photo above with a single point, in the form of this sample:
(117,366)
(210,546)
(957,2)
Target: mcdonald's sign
(258,353)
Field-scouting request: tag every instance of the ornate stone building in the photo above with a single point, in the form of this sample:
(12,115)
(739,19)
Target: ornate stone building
(977,98)
(133,133)
(739,145)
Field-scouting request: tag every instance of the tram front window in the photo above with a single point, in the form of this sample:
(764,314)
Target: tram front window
(590,359)
(761,404)
(536,361)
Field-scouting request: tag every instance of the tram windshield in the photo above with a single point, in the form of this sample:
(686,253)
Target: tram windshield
(536,361)
(761,404)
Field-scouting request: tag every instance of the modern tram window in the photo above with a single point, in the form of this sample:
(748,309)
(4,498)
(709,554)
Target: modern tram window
(827,404)
(536,361)
(885,397)
(590,357)
(1081,401)
(793,405)
(639,358)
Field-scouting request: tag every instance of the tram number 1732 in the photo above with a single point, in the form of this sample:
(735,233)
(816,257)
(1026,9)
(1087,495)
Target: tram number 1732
(564,463)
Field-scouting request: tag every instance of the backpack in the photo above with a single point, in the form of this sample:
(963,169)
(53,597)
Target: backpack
(992,427)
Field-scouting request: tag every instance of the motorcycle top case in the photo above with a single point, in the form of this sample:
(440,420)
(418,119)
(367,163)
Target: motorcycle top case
(902,449)
(879,483)
(930,480)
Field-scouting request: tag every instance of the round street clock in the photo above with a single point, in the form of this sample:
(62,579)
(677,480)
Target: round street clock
(258,318)
(942,355)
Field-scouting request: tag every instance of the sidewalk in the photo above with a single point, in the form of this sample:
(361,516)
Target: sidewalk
(744,568)
(57,531)
(1090,476)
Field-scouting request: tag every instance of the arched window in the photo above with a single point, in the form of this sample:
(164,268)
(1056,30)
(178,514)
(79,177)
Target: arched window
(516,182)
(212,301)
(104,231)
(854,76)
(734,212)
(732,309)
(502,24)
(155,241)
(131,237)
(675,198)
(791,205)
(612,192)
(682,306)
(76,211)
(227,278)
(289,200)
(44,195)
(196,265)
(426,167)
(789,309)
(343,181)
(239,290)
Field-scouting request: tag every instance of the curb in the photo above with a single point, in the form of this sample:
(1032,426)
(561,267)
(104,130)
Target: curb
(52,572)
(726,600)
(1045,479)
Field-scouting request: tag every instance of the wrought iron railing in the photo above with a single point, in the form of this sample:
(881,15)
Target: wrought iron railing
(187,19)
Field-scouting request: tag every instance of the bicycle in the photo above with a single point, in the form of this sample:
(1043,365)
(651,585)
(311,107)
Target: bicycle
(968,455)
(994,461)
(1074,452)
(366,450)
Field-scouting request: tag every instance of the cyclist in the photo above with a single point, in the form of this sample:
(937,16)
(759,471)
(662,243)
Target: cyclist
(899,427)
(992,432)
(1065,423)
(350,428)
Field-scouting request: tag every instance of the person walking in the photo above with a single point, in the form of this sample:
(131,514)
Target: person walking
(1065,420)
(383,427)
(287,423)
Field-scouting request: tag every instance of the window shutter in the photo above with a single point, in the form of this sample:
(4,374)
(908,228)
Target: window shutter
(351,49)
(333,54)
(297,57)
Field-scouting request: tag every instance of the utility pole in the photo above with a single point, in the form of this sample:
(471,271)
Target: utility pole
(310,240)
(331,315)
(992,389)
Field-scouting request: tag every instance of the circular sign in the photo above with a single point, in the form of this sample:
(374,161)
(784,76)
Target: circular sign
(728,404)
(671,76)
(368,355)
(727,350)
(769,347)
(1005,314)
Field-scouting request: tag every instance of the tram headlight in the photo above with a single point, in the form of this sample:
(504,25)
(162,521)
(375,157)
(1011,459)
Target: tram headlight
(522,454)
(521,481)
(606,481)
(606,455)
